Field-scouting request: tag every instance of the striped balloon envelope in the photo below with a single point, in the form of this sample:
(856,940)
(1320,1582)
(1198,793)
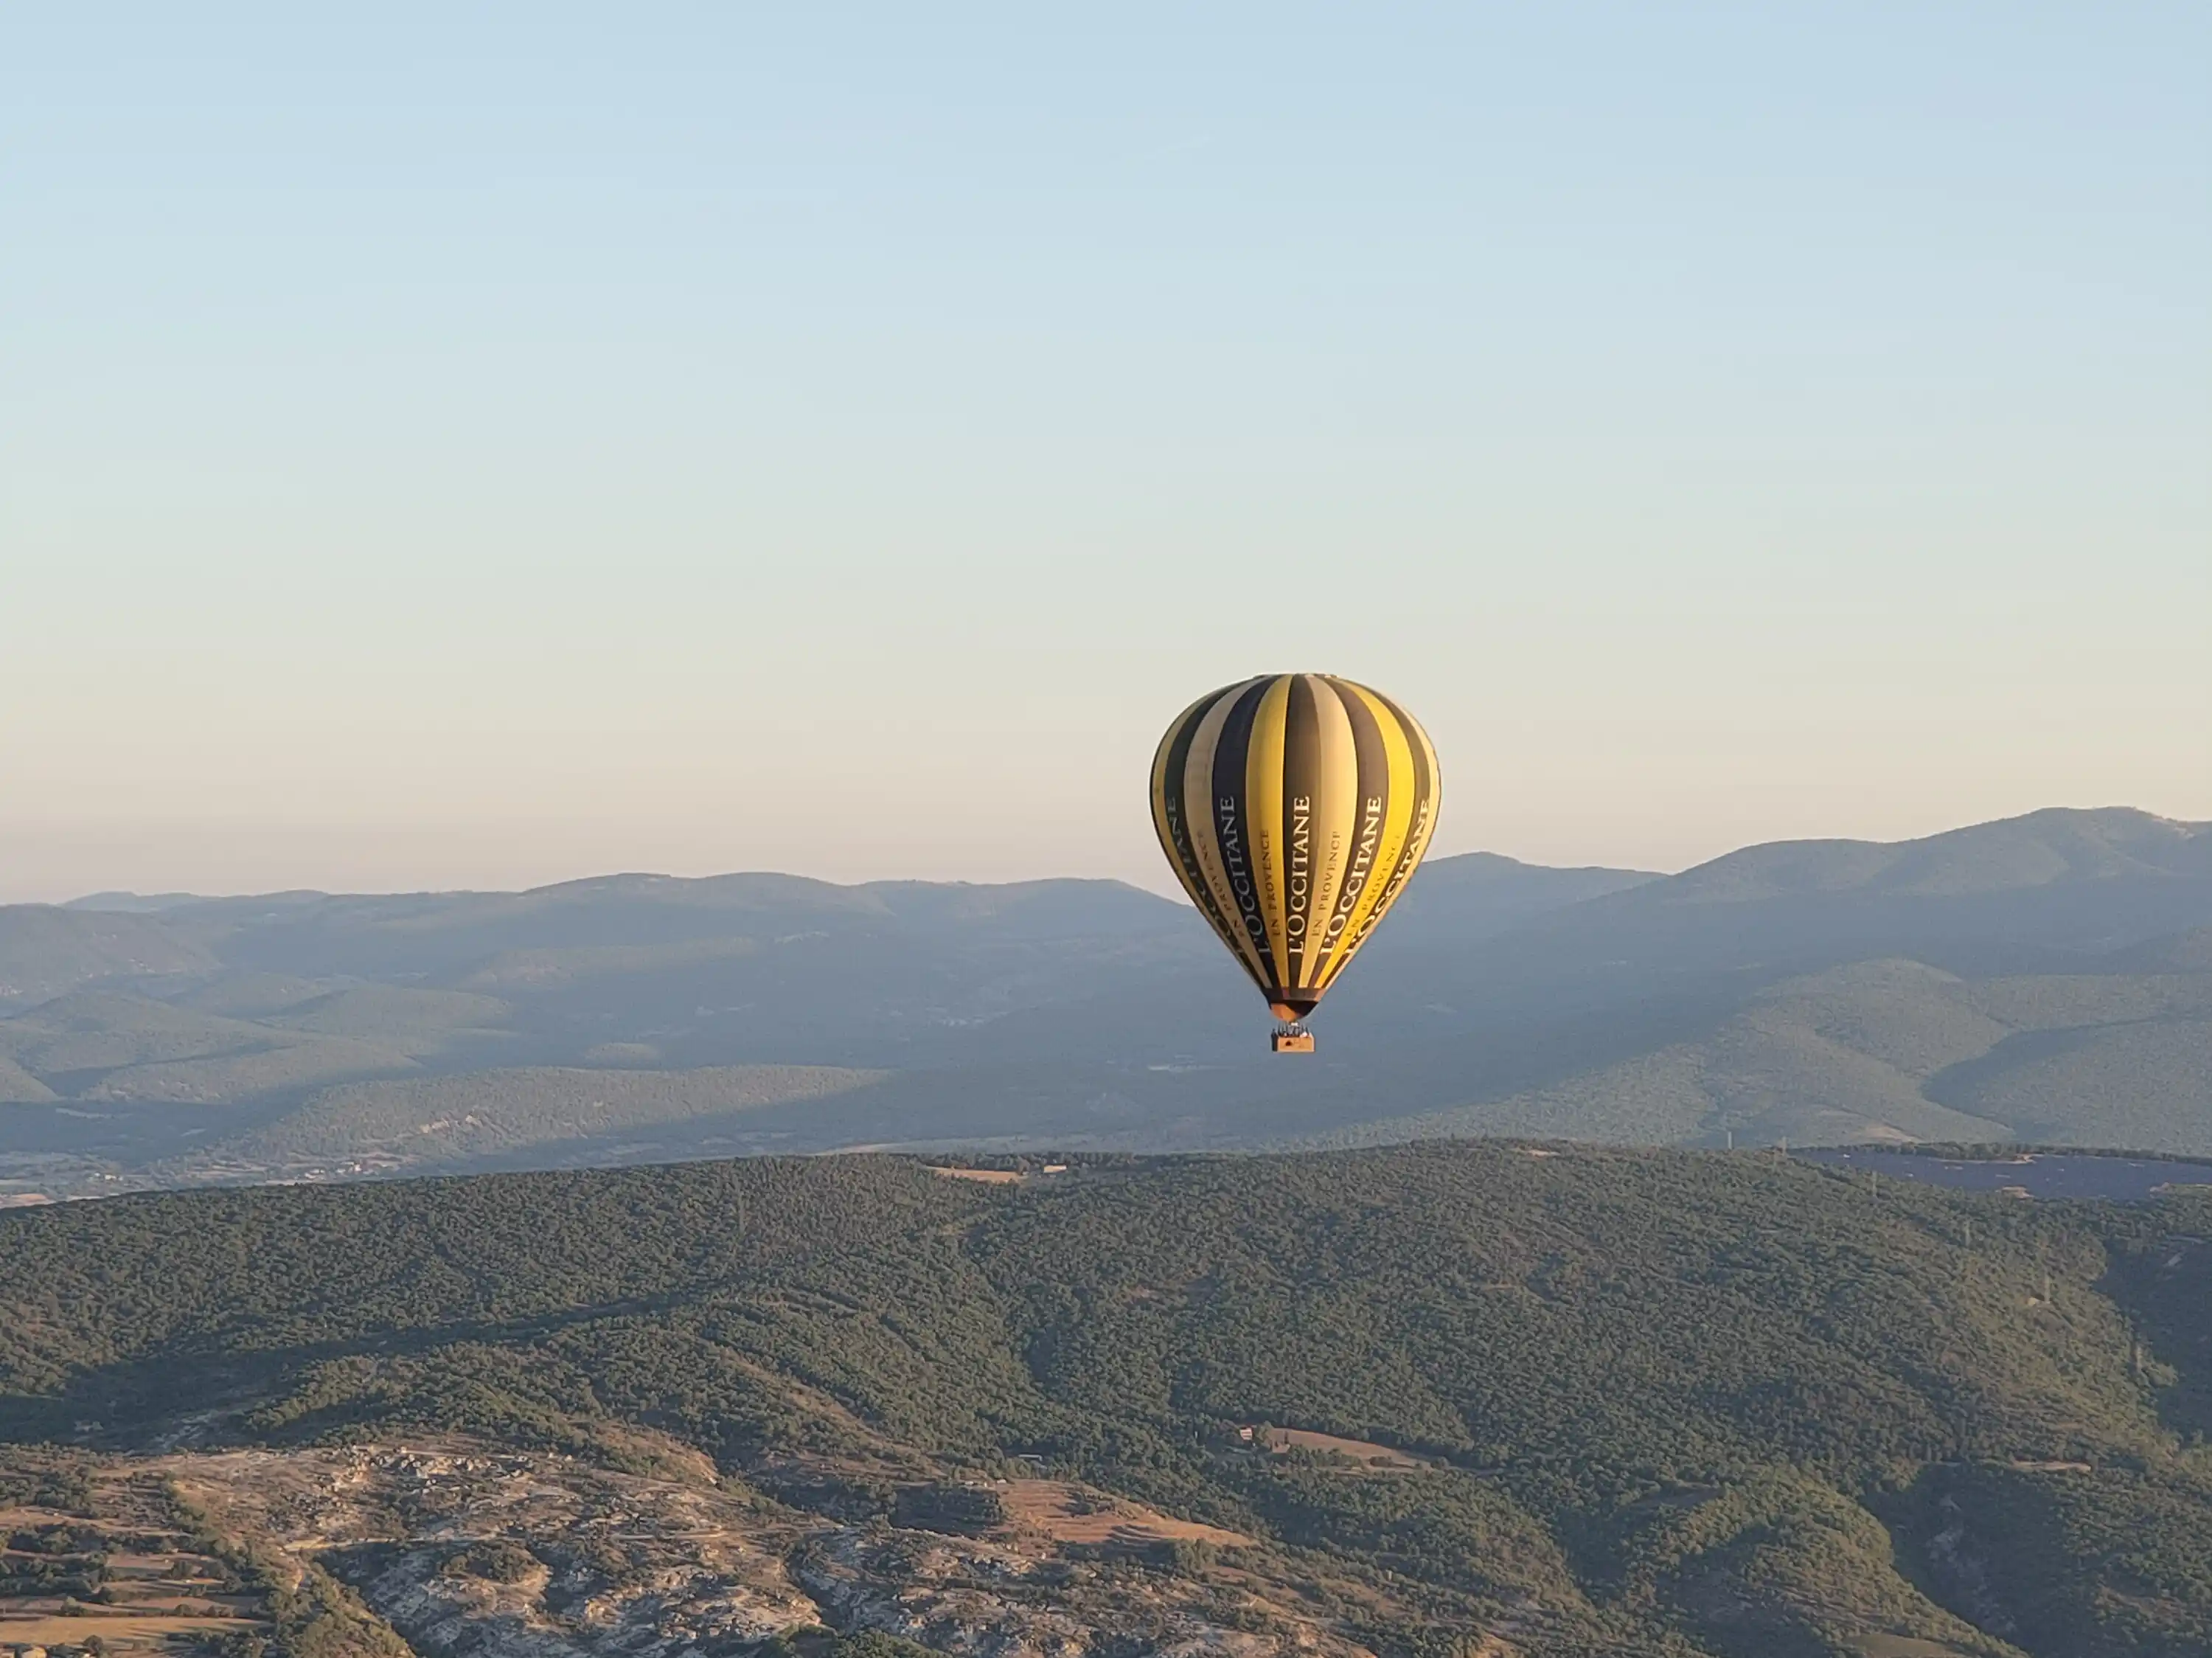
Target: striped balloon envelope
(1294,806)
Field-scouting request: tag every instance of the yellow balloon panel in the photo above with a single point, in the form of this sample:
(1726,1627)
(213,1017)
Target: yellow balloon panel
(1294,808)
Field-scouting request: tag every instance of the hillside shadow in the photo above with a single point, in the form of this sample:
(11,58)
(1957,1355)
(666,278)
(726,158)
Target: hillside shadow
(2164,1285)
(1958,1086)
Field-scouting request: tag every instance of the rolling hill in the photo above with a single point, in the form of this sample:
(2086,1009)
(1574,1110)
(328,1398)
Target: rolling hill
(2043,978)
(44,950)
(1559,1400)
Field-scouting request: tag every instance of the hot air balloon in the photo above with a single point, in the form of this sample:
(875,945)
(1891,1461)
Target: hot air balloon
(1294,806)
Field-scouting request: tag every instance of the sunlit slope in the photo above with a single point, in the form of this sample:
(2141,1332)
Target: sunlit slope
(1728,1405)
(485,1115)
(1895,1050)
(109,1047)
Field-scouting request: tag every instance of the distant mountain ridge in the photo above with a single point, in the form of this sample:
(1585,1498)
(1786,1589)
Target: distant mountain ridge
(2038,850)
(2045,977)
(2052,879)
(124,902)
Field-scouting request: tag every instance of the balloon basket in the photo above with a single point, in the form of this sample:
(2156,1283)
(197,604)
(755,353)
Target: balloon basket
(1293,1038)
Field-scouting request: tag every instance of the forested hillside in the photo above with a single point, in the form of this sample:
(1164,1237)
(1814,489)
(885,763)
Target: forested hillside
(1572,1399)
(2041,979)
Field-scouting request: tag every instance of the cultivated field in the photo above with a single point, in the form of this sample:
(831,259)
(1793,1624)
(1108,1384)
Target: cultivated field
(106,1558)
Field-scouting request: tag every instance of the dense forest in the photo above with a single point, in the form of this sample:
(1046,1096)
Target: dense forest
(1631,1401)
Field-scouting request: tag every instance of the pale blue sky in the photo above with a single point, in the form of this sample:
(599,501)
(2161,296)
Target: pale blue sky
(488,445)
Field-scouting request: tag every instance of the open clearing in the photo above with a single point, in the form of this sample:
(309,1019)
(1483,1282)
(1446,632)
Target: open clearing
(1380,1457)
(988,1176)
(1067,1514)
(1905,1646)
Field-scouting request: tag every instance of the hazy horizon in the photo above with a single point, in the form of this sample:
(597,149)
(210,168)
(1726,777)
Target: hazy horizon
(449,451)
(1157,882)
